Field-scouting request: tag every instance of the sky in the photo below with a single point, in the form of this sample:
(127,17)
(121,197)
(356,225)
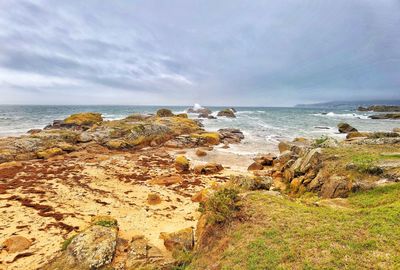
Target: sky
(179,52)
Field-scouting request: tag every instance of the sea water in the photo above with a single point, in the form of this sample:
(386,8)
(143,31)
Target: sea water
(263,127)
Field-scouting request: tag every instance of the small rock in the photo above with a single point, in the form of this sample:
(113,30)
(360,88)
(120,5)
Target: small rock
(16,244)
(153,199)
(201,153)
(182,164)
(209,168)
(167,180)
(255,166)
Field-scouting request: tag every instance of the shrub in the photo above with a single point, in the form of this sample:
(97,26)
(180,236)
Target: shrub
(222,205)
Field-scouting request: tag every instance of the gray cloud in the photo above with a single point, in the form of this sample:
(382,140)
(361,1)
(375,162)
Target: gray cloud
(212,52)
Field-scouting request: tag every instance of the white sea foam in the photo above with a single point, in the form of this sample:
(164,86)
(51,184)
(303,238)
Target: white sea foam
(342,115)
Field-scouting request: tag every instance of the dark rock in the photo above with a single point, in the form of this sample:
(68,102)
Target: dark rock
(227,113)
(230,135)
(380,108)
(386,116)
(346,128)
(164,113)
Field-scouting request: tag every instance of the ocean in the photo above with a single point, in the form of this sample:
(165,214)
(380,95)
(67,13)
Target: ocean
(263,127)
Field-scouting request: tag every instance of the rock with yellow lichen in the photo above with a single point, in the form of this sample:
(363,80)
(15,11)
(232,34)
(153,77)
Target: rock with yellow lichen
(164,113)
(212,138)
(87,119)
(48,153)
(182,164)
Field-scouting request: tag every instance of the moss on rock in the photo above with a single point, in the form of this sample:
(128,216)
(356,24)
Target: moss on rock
(88,118)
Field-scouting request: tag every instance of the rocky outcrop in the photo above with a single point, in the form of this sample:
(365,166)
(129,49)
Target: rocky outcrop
(227,113)
(78,130)
(386,116)
(379,108)
(346,128)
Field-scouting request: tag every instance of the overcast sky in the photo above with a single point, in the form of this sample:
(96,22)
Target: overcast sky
(178,52)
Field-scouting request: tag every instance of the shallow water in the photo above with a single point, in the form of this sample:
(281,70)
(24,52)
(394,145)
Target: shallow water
(263,127)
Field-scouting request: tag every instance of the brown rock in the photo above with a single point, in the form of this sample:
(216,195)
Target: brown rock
(356,134)
(200,196)
(164,113)
(227,113)
(180,240)
(182,164)
(209,168)
(346,128)
(48,153)
(201,153)
(16,244)
(396,130)
(153,199)
(167,180)
(266,160)
(255,166)
(335,187)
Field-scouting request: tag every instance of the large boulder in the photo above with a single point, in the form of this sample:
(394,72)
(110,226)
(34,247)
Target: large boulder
(230,135)
(164,113)
(346,128)
(83,119)
(91,249)
(227,113)
(335,187)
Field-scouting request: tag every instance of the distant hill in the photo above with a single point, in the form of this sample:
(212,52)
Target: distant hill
(348,104)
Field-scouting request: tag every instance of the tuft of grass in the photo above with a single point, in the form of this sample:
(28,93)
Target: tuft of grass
(106,223)
(183,258)
(66,242)
(222,206)
(320,140)
(366,163)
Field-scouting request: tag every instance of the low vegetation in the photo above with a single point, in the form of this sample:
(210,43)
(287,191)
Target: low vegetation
(361,232)
(222,206)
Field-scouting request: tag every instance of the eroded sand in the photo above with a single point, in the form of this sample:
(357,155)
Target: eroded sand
(48,201)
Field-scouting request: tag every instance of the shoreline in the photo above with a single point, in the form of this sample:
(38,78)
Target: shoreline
(152,174)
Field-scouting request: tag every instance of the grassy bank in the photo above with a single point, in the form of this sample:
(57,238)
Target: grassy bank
(361,232)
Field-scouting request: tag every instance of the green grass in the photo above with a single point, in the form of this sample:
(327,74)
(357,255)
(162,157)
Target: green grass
(106,223)
(288,234)
(66,243)
(320,140)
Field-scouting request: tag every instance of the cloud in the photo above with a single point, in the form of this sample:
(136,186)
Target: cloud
(214,52)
